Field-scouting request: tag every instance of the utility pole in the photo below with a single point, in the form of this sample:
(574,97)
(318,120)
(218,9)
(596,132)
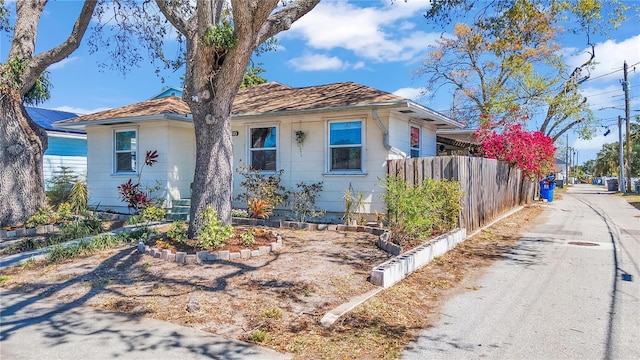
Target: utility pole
(627,163)
(621,174)
(566,166)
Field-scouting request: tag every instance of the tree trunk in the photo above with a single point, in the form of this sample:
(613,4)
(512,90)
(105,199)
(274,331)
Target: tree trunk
(212,183)
(23,145)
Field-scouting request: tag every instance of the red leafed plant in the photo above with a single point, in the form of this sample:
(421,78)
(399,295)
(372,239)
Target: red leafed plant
(532,152)
(131,193)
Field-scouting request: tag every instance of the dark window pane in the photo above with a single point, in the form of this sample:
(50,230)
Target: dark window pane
(415,153)
(346,133)
(263,137)
(125,162)
(346,158)
(263,160)
(126,140)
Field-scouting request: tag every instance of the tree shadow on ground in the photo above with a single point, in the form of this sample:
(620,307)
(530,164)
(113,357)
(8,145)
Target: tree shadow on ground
(59,323)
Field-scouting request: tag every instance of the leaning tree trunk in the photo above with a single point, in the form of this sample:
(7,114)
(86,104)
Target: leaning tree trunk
(23,144)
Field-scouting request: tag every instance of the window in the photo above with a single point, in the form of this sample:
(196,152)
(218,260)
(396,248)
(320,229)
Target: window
(263,148)
(345,145)
(415,142)
(126,148)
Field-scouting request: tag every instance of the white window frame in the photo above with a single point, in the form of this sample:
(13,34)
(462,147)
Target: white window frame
(135,151)
(328,147)
(250,147)
(412,148)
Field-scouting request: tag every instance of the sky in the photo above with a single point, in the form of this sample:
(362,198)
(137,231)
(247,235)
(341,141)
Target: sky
(376,43)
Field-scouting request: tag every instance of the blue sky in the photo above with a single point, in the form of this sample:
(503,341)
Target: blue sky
(372,42)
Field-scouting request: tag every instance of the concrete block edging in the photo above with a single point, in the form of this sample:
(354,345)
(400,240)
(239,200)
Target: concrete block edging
(396,269)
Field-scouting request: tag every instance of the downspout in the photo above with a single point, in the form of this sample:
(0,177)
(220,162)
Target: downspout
(385,138)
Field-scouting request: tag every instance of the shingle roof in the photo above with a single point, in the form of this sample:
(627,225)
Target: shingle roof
(273,97)
(45,118)
(266,98)
(164,105)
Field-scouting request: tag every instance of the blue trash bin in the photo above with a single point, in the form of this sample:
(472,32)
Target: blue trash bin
(547,189)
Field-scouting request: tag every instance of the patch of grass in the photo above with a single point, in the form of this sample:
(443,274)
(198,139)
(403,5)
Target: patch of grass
(258,336)
(273,313)
(4,278)
(146,266)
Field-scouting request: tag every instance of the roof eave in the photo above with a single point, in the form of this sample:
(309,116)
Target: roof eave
(83,124)
(440,120)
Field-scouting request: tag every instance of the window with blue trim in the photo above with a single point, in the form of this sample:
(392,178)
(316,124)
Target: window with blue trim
(126,149)
(345,145)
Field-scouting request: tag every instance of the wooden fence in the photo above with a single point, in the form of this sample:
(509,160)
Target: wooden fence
(489,187)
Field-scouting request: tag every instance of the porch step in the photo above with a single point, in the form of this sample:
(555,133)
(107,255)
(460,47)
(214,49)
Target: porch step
(180,209)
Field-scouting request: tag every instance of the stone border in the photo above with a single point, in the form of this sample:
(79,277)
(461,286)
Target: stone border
(200,256)
(396,269)
(40,229)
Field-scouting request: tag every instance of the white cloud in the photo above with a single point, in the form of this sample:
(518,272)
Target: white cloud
(80,111)
(319,62)
(316,62)
(410,93)
(596,142)
(62,63)
(380,34)
(610,56)
(603,96)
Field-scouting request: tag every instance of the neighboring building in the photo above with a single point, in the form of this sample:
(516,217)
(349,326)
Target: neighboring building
(350,131)
(168,91)
(461,142)
(67,147)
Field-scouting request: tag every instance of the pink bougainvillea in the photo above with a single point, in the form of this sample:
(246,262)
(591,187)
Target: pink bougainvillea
(532,152)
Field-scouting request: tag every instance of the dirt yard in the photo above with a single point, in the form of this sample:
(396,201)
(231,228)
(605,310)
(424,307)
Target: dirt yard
(277,300)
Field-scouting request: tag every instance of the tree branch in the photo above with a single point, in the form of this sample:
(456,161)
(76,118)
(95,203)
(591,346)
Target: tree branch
(174,18)
(40,62)
(566,128)
(282,19)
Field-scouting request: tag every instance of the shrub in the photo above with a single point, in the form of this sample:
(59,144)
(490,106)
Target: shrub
(259,208)
(178,231)
(132,193)
(264,187)
(248,238)
(43,216)
(79,196)
(352,205)
(64,212)
(61,184)
(79,228)
(304,200)
(213,234)
(152,213)
(414,212)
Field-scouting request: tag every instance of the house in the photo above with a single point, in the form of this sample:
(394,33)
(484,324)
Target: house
(339,134)
(67,147)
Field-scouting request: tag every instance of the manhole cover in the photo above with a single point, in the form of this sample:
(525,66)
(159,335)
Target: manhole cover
(582,243)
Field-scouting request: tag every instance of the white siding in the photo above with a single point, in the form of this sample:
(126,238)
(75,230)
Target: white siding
(103,183)
(181,160)
(309,163)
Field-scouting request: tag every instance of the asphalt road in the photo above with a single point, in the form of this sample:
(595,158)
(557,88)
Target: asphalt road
(569,290)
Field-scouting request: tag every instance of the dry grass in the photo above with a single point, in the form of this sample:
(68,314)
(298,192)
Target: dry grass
(278,300)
